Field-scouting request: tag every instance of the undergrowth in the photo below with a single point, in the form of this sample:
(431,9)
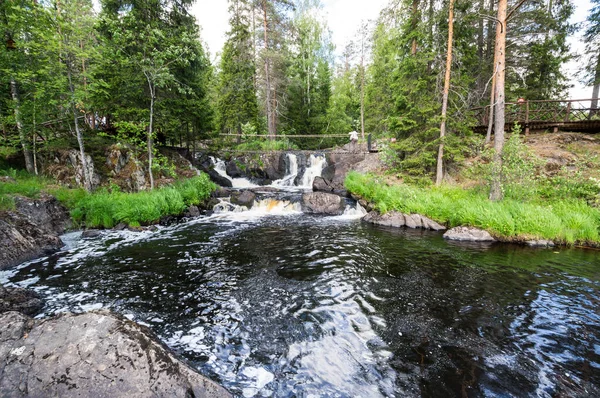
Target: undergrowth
(106,208)
(568,220)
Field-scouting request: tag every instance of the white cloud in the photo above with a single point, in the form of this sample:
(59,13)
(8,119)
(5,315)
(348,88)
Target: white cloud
(213,18)
(343,18)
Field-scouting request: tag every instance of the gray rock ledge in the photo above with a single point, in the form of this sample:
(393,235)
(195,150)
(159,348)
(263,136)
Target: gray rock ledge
(96,354)
(397,219)
(468,234)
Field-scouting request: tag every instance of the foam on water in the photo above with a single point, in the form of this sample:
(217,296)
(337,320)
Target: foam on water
(221,168)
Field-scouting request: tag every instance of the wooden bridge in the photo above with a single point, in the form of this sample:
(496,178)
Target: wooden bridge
(566,115)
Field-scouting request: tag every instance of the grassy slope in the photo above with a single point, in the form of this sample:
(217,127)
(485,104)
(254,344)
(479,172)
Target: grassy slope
(103,209)
(543,201)
(567,221)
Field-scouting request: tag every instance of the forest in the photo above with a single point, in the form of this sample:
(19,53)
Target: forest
(74,74)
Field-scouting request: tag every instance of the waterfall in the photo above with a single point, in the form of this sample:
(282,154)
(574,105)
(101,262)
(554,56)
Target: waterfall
(316,164)
(264,207)
(221,169)
(291,172)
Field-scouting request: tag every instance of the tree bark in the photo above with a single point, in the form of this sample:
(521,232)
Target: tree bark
(415,20)
(150,126)
(440,161)
(87,180)
(596,90)
(500,55)
(26,152)
(270,121)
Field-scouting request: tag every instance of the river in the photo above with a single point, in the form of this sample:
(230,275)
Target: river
(293,305)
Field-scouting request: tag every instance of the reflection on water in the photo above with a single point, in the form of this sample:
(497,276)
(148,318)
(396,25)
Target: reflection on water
(314,306)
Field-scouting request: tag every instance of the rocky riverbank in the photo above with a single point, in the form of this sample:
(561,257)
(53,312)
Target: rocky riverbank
(97,354)
(32,229)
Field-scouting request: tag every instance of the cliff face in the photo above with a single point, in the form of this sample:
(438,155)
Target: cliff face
(31,230)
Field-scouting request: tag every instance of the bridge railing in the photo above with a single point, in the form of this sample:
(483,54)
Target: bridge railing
(544,111)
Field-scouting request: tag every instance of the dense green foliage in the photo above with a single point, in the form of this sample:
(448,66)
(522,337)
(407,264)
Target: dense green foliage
(106,208)
(570,220)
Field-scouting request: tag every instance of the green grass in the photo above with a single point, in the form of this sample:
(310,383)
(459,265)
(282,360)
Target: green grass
(569,221)
(104,209)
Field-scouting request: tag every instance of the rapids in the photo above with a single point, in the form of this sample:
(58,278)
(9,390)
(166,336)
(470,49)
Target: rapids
(272,302)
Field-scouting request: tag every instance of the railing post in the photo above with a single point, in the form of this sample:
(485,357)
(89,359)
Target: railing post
(527,117)
(568,111)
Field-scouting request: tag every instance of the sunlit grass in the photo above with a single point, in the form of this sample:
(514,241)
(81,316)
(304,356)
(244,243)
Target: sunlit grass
(569,221)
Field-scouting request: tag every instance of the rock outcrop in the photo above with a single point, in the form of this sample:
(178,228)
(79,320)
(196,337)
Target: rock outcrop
(22,300)
(323,203)
(31,230)
(94,354)
(468,234)
(243,198)
(397,219)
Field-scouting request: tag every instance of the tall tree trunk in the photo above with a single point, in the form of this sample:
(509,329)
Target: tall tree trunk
(150,131)
(415,21)
(490,29)
(596,90)
(270,121)
(500,56)
(87,181)
(362,100)
(26,152)
(440,161)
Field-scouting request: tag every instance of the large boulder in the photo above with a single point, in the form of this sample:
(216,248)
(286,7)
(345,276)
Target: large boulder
(339,164)
(96,354)
(243,198)
(323,203)
(468,234)
(22,300)
(31,230)
(218,178)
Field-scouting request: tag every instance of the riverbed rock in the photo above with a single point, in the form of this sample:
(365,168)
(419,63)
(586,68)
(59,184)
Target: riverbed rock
(94,233)
(397,219)
(31,230)
(243,198)
(218,178)
(22,300)
(192,211)
(468,234)
(540,243)
(96,354)
(323,203)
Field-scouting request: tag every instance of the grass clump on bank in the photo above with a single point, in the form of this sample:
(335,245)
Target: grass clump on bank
(103,209)
(567,221)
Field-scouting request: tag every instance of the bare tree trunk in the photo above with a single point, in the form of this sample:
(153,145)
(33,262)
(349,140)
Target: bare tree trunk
(488,136)
(87,180)
(270,121)
(596,90)
(500,51)
(26,152)
(440,161)
(150,131)
(415,19)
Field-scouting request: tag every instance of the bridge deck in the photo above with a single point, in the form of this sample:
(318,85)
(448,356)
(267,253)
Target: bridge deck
(566,115)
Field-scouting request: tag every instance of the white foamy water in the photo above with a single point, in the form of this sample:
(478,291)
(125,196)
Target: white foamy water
(316,165)
(221,168)
(261,208)
(290,174)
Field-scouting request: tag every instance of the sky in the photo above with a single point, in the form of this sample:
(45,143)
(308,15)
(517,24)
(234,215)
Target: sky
(344,17)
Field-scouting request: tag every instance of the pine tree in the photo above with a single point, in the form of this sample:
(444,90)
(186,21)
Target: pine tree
(309,73)
(237,102)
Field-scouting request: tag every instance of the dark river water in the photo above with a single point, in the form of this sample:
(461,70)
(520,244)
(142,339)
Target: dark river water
(306,306)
